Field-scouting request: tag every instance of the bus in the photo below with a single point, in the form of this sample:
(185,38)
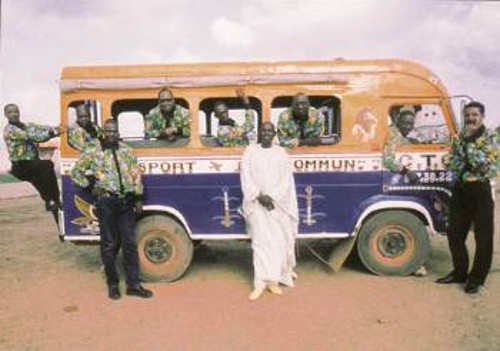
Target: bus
(345,194)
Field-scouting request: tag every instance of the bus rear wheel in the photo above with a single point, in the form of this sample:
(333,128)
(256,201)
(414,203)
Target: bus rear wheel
(164,247)
(393,243)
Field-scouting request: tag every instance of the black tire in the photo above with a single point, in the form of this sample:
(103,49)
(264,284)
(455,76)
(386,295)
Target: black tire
(164,247)
(393,243)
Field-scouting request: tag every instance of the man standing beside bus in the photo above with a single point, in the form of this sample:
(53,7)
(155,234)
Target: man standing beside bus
(474,159)
(84,131)
(109,170)
(228,132)
(271,212)
(21,140)
(167,121)
(301,124)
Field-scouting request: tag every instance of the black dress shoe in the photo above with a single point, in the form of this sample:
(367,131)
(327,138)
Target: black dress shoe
(472,288)
(114,292)
(140,292)
(450,279)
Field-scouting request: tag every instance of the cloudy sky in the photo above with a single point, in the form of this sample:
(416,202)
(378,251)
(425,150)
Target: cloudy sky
(457,40)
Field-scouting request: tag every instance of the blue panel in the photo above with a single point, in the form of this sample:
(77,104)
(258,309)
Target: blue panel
(328,201)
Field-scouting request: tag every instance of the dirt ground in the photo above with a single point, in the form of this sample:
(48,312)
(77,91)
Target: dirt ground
(54,298)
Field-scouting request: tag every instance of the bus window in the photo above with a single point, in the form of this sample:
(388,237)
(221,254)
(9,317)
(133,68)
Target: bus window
(328,106)
(95,114)
(131,125)
(428,125)
(237,114)
(130,115)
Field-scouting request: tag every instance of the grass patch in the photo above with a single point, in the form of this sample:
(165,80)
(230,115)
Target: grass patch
(8,178)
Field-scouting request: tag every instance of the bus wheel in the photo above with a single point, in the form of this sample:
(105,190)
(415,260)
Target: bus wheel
(165,250)
(393,243)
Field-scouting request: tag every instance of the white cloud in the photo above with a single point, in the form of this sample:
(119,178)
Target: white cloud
(231,33)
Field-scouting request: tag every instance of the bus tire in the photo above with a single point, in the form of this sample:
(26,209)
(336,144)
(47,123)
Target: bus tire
(164,247)
(393,243)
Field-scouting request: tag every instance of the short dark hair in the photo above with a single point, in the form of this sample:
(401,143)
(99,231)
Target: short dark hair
(164,90)
(9,105)
(476,104)
(218,103)
(405,113)
(111,121)
(84,105)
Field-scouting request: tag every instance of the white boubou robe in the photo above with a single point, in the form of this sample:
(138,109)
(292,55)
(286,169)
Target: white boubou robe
(268,171)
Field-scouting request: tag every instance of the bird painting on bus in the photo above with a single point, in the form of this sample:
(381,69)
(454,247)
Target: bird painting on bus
(89,220)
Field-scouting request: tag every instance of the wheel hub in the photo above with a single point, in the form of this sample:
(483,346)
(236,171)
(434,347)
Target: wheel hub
(157,250)
(392,244)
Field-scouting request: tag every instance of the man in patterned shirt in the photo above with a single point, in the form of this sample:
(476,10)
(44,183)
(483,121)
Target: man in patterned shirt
(400,133)
(21,140)
(228,132)
(84,131)
(167,120)
(301,124)
(109,170)
(474,159)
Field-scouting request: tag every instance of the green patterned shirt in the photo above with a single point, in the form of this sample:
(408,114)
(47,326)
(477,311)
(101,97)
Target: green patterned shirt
(78,137)
(99,163)
(394,139)
(22,142)
(236,135)
(155,123)
(468,158)
(289,132)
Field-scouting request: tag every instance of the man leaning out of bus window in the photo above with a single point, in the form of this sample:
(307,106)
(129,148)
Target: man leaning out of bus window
(229,133)
(83,131)
(167,120)
(301,124)
(400,134)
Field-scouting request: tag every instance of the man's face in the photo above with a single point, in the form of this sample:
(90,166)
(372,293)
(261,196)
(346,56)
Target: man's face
(221,112)
(111,133)
(12,113)
(166,102)
(300,106)
(82,116)
(406,123)
(473,119)
(267,134)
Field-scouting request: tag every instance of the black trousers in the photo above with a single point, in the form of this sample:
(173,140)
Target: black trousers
(471,203)
(41,174)
(117,224)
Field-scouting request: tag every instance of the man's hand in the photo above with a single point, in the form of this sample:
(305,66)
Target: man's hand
(412,176)
(266,201)
(484,168)
(170,130)
(138,207)
(61,129)
(170,134)
(96,192)
(240,92)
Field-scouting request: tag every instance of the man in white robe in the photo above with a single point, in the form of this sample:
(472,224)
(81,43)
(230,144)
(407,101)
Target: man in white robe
(271,214)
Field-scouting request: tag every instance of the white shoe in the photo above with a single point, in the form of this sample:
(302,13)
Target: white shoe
(255,294)
(274,289)
(294,275)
